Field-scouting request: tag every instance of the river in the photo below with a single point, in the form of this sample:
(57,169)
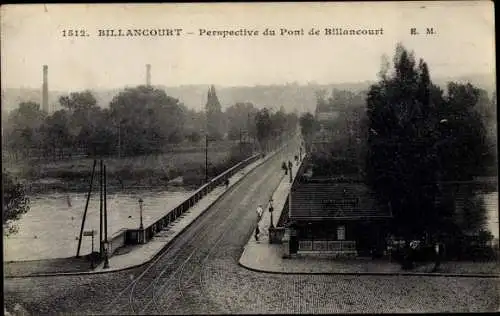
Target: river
(51,227)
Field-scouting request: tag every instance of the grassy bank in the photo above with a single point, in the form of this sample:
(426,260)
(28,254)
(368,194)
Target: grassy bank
(148,171)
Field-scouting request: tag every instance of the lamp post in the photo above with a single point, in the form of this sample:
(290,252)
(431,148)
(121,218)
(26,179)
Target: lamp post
(141,226)
(271,210)
(106,255)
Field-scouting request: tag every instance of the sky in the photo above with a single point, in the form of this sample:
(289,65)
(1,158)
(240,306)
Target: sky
(31,36)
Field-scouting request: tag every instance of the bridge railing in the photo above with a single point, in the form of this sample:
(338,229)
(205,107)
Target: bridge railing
(138,236)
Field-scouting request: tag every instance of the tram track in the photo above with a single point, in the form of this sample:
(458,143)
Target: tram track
(184,260)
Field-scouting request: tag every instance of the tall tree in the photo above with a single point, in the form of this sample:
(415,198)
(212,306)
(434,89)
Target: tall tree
(466,149)
(147,119)
(56,132)
(264,126)
(308,127)
(402,157)
(82,110)
(22,125)
(214,115)
(240,118)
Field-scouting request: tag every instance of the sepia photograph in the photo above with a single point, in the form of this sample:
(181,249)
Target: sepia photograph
(249,158)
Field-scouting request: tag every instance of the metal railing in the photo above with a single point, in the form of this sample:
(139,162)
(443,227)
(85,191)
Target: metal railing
(143,236)
(327,245)
(134,236)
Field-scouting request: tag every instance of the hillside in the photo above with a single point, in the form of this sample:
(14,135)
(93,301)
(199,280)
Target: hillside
(292,96)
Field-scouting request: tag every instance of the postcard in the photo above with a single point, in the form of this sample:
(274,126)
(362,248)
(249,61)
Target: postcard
(239,158)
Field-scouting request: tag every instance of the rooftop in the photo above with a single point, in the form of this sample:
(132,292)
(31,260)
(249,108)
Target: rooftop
(335,200)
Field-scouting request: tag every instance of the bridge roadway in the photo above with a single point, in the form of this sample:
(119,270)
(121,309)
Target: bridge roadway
(200,274)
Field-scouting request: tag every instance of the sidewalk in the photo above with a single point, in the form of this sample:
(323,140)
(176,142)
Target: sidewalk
(136,255)
(141,254)
(261,256)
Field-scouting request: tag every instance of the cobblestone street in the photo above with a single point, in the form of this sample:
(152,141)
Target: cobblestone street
(200,274)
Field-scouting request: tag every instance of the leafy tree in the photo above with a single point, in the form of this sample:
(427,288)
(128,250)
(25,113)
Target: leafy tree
(417,138)
(78,101)
(465,151)
(292,121)
(402,154)
(148,119)
(194,125)
(194,136)
(22,125)
(102,136)
(56,132)
(240,117)
(82,112)
(263,124)
(308,127)
(15,203)
(278,122)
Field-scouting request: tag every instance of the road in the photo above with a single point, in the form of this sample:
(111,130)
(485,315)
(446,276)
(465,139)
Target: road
(200,274)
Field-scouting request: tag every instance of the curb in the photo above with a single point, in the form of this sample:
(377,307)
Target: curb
(161,251)
(424,274)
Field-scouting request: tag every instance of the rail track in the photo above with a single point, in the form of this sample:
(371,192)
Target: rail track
(169,274)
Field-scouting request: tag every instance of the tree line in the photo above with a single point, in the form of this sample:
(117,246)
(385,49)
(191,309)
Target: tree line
(139,120)
(412,137)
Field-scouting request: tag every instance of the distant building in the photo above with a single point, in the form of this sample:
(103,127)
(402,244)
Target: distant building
(325,115)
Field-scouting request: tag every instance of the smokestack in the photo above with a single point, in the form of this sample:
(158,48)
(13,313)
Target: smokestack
(148,75)
(45,89)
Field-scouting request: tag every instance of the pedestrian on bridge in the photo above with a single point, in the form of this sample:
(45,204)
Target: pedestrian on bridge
(260,210)
(284,167)
(257,232)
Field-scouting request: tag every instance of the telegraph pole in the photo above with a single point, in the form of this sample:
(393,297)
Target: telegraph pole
(206,158)
(105,207)
(100,208)
(240,141)
(85,212)
(106,245)
(119,140)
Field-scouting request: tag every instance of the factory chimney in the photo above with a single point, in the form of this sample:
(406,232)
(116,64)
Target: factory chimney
(148,75)
(45,90)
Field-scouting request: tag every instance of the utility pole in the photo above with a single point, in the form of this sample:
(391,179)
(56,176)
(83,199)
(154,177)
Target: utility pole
(105,207)
(240,141)
(119,140)
(85,212)
(206,157)
(106,245)
(100,209)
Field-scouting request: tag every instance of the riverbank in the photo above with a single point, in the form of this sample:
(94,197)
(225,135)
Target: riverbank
(153,172)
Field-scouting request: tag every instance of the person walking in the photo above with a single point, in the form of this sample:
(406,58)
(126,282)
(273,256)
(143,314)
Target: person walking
(260,210)
(284,167)
(437,251)
(257,232)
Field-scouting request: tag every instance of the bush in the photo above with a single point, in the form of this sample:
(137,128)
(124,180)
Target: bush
(473,248)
